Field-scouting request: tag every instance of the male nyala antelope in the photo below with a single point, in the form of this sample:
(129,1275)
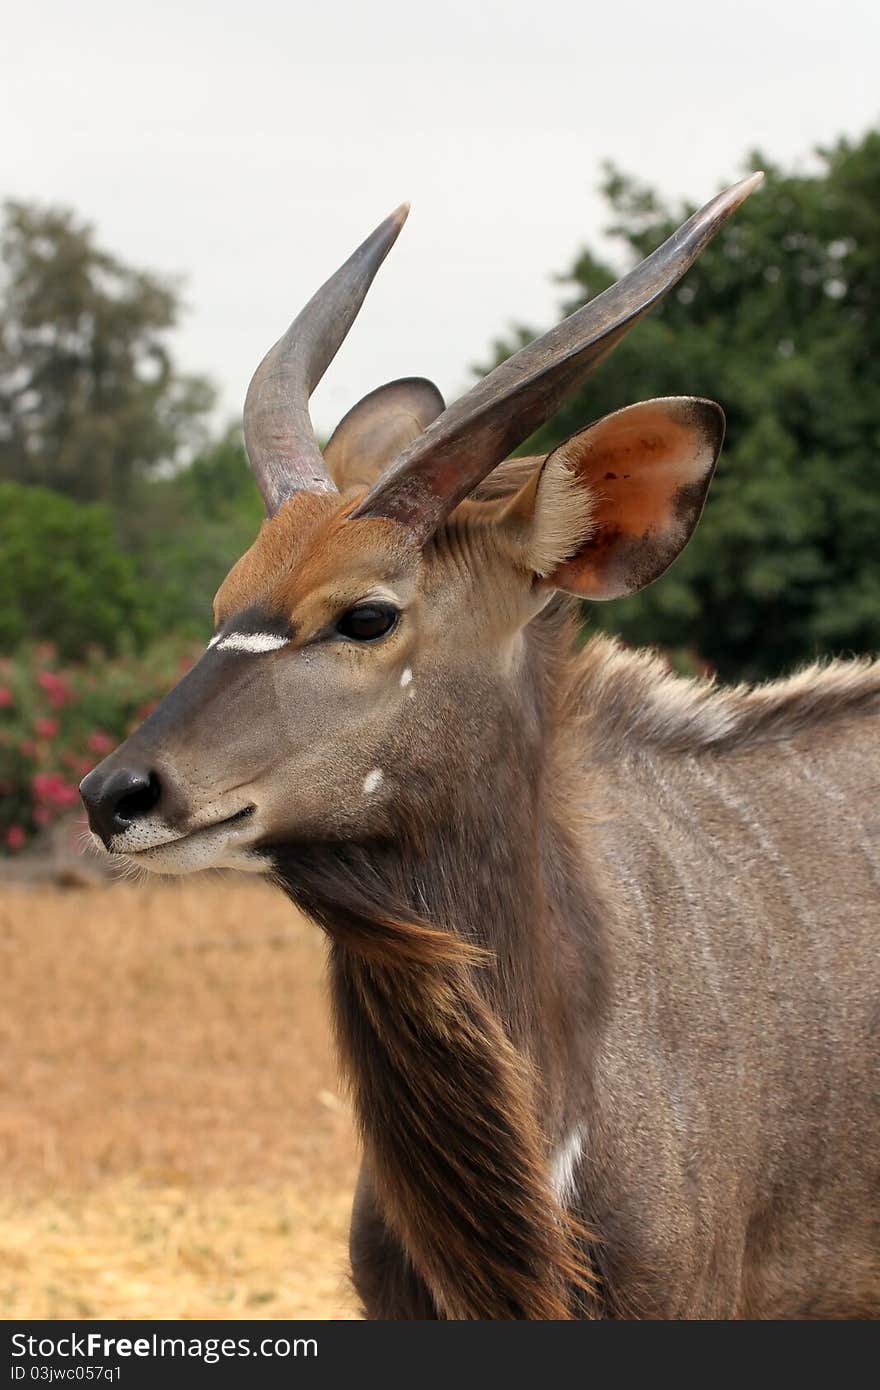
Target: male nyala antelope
(601,939)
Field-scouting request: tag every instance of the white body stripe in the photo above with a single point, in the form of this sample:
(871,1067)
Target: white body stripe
(564,1163)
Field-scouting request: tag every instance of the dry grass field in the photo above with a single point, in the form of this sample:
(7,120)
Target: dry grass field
(172,1139)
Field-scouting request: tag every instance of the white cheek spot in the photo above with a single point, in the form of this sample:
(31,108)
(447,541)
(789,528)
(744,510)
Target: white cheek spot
(213,642)
(251,642)
(373,780)
(406,678)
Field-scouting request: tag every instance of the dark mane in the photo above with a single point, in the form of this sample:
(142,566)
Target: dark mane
(445,1101)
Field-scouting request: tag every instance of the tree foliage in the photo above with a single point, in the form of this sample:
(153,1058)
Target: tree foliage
(63,577)
(90,397)
(93,407)
(779,322)
(186,531)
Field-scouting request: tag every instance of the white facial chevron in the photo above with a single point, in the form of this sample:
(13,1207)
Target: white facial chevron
(251,642)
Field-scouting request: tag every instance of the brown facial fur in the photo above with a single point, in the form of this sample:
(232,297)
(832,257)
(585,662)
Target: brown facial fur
(310,562)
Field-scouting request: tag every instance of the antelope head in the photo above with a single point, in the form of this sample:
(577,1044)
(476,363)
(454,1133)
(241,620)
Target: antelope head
(368,648)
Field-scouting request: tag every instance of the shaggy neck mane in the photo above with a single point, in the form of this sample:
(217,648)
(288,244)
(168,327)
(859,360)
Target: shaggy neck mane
(630,701)
(445,985)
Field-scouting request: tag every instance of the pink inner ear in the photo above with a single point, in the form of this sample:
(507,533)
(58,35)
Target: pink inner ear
(648,468)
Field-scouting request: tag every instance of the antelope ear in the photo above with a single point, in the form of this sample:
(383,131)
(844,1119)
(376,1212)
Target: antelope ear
(613,506)
(379,428)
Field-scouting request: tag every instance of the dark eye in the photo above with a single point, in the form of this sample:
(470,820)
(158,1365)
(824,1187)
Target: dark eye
(367,621)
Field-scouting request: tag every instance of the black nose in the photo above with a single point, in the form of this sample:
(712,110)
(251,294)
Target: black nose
(117,798)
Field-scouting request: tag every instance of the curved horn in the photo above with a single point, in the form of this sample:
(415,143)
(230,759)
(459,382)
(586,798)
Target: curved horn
(445,463)
(278,433)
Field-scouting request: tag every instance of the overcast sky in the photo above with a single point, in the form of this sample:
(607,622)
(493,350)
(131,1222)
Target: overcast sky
(252,145)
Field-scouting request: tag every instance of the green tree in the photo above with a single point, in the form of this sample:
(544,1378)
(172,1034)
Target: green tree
(90,397)
(780,322)
(187,530)
(63,577)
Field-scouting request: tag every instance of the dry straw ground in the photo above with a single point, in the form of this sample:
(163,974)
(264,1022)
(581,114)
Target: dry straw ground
(172,1139)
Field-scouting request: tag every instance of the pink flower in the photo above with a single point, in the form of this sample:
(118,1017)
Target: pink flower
(56,688)
(6,697)
(15,837)
(42,815)
(46,728)
(50,789)
(99,742)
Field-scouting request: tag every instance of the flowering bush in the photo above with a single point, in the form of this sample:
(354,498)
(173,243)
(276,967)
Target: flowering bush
(57,722)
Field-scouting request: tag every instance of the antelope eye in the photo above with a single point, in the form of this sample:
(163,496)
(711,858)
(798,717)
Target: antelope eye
(367,622)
